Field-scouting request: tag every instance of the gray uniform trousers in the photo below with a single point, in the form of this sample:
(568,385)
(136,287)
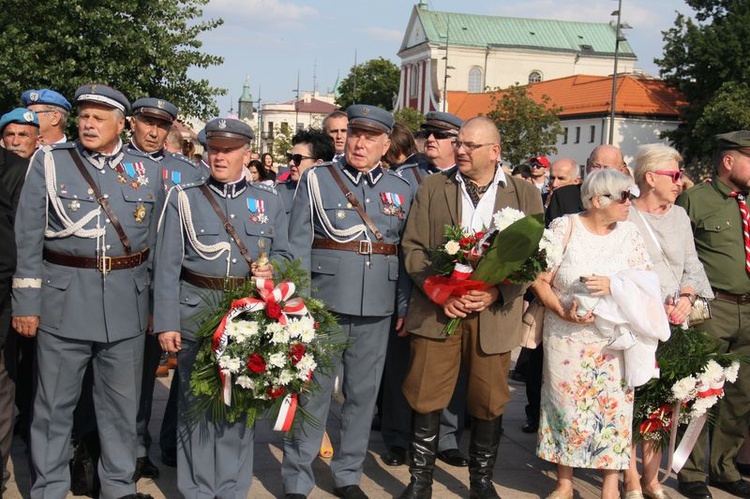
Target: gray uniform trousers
(396,417)
(363,359)
(116,366)
(210,457)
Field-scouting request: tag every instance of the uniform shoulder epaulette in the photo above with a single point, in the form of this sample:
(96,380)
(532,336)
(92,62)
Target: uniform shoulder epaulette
(324,165)
(135,152)
(396,174)
(406,166)
(180,157)
(188,185)
(62,145)
(265,187)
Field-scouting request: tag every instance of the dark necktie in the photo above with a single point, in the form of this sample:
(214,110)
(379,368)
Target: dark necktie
(745,225)
(476,192)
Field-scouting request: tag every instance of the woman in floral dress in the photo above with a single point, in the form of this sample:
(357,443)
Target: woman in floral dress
(586,409)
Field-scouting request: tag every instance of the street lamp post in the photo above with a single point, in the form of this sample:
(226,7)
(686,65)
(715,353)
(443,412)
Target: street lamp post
(447,67)
(618,38)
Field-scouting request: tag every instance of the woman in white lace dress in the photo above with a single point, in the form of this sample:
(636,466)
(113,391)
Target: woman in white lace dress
(586,409)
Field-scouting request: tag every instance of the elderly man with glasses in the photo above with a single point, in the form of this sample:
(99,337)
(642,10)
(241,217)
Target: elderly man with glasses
(52,109)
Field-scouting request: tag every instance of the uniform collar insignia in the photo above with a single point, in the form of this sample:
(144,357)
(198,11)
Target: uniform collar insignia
(231,190)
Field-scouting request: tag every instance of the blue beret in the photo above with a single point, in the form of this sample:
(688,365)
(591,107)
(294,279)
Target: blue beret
(19,115)
(229,129)
(442,121)
(104,95)
(370,118)
(44,96)
(738,139)
(157,108)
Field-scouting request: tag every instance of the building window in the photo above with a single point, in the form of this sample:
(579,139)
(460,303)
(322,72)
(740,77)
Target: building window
(578,135)
(475,80)
(592,133)
(535,76)
(414,80)
(565,135)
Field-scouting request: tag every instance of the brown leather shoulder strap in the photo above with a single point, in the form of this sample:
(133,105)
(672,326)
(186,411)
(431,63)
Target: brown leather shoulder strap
(101,200)
(355,202)
(417,176)
(227,225)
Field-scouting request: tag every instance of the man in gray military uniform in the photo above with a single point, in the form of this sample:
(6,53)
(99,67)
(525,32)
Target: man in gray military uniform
(348,218)
(196,259)
(150,123)
(52,109)
(440,131)
(85,226)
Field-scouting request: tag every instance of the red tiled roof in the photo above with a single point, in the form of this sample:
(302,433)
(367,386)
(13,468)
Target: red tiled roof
(585,95)
(315,106)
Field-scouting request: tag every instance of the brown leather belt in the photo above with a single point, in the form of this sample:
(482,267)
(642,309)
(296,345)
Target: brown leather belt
(739,299)
(210,282)
(359,247)
(103,264)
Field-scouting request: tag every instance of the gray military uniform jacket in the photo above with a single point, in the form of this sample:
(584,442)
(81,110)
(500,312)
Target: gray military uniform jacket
(175,168)
(286,190)
(346,281)
(192,236)
(58,212)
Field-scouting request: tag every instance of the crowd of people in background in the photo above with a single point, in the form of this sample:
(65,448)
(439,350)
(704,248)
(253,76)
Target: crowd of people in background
(118,238)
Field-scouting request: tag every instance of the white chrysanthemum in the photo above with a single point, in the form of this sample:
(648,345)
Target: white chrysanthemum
(277,360)
(452,247)
(306,363)
(730,373)
(684,389)
(713,371)
(308,329)
(294,328)
(231,364)
(554,252)
(285,377)
(280,336)
(505,217)
(701,405)
(245,382)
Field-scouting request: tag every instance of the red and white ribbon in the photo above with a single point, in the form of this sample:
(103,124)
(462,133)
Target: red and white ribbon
(286,413)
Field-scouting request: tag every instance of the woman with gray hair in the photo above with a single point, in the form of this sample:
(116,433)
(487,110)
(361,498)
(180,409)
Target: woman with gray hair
(586,409)
(668,235)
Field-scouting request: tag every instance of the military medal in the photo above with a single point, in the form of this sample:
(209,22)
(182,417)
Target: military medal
(140,169)
(120,177)
(140,212)
(340,214)
(257,209)
(130,169)
(392,204)
(74,205)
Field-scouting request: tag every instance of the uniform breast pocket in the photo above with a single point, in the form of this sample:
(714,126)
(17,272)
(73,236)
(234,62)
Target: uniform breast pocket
(76,203)
(341,215)
(256,231)
(714,230)
(207,231)
(139,208)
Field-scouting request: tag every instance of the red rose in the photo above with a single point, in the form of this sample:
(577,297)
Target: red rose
(256,363)
(479,235)
(296,352)
(275,393)
(466,241)
(273,310)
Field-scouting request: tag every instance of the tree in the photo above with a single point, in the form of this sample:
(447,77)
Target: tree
(374,82)
(527,128)
(705,59)
(141,48)
(282,142)
(410,118)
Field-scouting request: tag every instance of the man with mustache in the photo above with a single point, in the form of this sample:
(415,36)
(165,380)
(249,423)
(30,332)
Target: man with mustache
(20,131)
(86,225)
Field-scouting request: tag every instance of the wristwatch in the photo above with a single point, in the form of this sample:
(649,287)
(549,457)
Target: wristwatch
(690,296)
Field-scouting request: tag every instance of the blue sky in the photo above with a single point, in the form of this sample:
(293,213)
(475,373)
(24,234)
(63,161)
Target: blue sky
(271,40)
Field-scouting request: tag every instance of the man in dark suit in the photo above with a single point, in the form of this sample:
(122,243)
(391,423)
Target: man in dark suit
(491,322)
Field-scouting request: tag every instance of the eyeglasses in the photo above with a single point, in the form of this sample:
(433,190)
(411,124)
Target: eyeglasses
(675,174)
(46,111)
(623,197)
(470,147)
(439,134)
(296,158)
(537,166)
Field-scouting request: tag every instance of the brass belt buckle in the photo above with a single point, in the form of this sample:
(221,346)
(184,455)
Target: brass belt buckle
(365,248)
(104,264)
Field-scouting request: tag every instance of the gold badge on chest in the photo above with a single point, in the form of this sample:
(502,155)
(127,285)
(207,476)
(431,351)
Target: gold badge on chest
(140,212)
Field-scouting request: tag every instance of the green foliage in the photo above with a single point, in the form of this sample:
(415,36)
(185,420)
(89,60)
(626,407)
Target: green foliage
(410,118)
(282,143)
(705,59)
(527,128)
(141,48)
(374,82)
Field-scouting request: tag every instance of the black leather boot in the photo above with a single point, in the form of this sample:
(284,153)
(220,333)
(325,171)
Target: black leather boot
(485,439)
(423,448)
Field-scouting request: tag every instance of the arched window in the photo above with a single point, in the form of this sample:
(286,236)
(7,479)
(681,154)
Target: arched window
(535,76)
(475,80)
(414,86)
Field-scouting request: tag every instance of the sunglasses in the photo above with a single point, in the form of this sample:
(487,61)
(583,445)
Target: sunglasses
(439,134)
(296,158)
(675,174)
(623,197)
(537,166)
